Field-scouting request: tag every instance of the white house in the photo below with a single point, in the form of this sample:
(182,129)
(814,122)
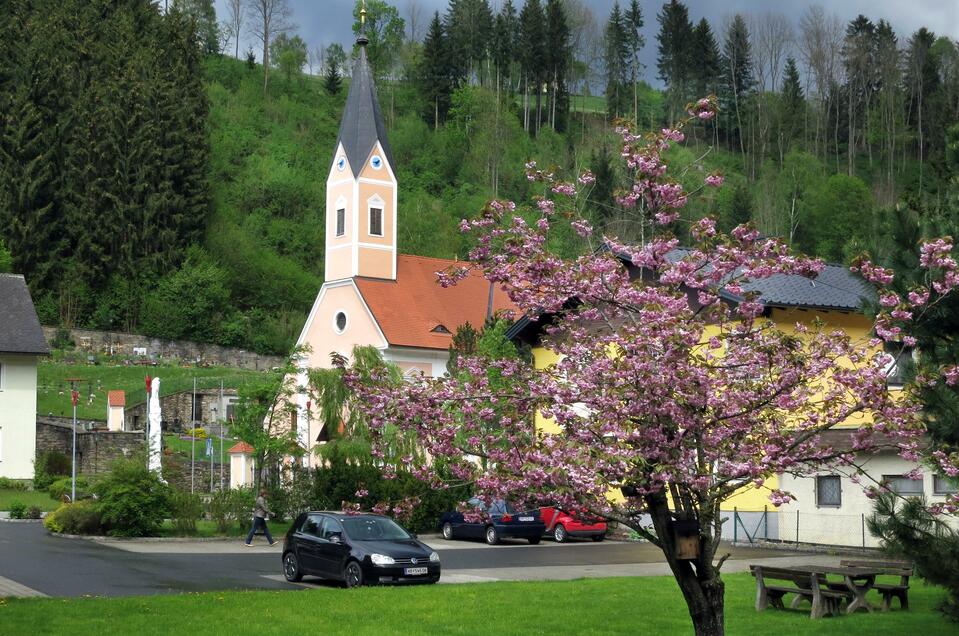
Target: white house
(21,343)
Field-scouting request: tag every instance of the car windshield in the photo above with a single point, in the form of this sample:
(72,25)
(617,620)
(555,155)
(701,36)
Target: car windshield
(374,529)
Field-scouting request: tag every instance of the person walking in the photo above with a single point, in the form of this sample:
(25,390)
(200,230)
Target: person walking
(260,511)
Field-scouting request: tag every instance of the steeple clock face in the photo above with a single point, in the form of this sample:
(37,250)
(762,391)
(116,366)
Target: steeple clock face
(376,162)
(341,164)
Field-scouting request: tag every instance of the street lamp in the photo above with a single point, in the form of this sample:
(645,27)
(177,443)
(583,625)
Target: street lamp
(74,398)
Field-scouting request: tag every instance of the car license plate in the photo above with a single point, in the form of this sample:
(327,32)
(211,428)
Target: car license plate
(525,518)
(415,571)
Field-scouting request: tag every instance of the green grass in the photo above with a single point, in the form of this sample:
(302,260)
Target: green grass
(183,447)
(587,103)
(206,528)
(643,605)
(53,391)
(28,497)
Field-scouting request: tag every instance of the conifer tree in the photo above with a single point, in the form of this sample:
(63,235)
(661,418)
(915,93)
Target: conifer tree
(532,59)
(435,74)
(738,79)
(616,58)
(469,29)
(633,18)
(793,106)
(505,35)
(706,68)
(332,82)
(674,61)
(557,61)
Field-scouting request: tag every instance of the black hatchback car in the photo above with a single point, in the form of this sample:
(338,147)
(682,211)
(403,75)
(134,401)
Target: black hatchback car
(357,549)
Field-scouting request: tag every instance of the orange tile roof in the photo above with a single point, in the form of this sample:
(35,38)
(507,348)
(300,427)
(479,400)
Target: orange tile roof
(411,307)
(117,398)
(241,447)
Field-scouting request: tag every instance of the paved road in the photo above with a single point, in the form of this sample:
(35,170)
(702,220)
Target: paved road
(33,562)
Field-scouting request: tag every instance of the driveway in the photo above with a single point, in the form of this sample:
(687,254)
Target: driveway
(32,562)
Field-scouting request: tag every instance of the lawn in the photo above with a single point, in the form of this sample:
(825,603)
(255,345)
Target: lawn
(53,391)
(29,498)
(206,528)
(183,447)
(644,605)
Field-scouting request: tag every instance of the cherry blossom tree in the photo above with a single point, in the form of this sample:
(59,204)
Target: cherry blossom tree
(672,390)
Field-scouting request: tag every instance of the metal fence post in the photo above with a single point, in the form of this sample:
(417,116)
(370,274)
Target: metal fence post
(735,525)
(797,527)
(863,515)
(765,522)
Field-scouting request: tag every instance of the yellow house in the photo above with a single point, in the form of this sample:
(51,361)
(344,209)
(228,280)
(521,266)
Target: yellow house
(836,298)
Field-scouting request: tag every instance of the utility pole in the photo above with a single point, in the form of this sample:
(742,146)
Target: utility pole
(193,439)
(74,398)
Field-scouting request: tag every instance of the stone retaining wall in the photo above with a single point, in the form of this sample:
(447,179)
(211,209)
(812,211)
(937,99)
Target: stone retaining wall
(123,344)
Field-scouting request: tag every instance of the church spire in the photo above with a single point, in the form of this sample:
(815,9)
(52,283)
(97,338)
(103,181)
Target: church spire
(362,124)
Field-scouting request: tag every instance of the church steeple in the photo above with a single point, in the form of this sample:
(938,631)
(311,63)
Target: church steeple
(361,187)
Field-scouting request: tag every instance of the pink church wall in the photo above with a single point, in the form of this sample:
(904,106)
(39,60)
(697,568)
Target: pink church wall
(321,335)
(385,192)
(339,261)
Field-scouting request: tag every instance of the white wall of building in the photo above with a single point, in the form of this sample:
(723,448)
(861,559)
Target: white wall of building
(241,470)
(843,524)
(18,415)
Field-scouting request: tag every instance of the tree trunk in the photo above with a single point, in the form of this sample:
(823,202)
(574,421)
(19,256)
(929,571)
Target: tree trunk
(698,580)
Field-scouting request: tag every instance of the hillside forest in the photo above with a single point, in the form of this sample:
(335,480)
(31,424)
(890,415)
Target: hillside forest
(157,178)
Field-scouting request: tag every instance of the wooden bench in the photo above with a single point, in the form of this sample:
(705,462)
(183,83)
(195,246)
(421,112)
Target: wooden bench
(889,591)
(805,586)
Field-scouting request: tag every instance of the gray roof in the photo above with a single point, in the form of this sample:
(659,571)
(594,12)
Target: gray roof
(20,330)
(835,287)
(362,124)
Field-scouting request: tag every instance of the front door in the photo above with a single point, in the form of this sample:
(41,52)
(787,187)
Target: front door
(308,544)
(332,547)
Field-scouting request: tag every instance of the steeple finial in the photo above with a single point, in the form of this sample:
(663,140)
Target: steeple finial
(361,38)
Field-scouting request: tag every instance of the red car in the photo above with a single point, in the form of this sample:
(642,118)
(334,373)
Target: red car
(562,525)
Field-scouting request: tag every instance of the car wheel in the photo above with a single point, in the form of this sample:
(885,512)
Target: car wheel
(560,534)
(598,537)
(353,574)
(492,536)
(291,567)
(447,531)
(534,540)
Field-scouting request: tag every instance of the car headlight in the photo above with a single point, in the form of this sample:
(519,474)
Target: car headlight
(434,557)
(382,559)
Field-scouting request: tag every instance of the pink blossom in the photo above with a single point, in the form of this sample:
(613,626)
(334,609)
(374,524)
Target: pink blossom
(715,180)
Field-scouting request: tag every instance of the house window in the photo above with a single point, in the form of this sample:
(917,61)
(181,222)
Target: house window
(828,491)
(341,222)
(942,485)
(900,364)
(376,221)
(197,408)
(903,485)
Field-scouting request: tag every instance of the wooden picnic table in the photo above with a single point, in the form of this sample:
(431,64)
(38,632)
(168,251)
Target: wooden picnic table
(857,580)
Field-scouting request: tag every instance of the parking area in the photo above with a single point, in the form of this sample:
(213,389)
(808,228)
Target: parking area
(33,562)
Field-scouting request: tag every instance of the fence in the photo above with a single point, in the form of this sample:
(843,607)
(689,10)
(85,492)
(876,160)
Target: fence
(797,527)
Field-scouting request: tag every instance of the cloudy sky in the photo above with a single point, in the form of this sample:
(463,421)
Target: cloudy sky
(321,22)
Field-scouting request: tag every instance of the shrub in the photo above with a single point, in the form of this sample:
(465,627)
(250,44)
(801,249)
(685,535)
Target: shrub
(81,517)
(34,512)
(133,501)
(12,484)
(49,466)
(197,433)
(242,501)
(185,509)
(17,509)
(221,509)
(64,486)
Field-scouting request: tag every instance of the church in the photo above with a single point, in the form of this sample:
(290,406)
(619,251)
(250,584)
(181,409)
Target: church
(371,294)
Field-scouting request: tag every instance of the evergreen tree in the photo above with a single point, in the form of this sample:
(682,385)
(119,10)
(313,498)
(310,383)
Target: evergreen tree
(738,80)
(616,58)
(740,209)
(793,106)
(532,59)
(675,61)
(633,19)
(505,36)
(558,55)
(332,82)
(203,15)
(436,72)
(469,29)
(706,61)
(600,197)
